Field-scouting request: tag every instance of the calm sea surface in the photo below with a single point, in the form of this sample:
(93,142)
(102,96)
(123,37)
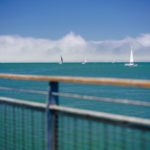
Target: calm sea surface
(117,70)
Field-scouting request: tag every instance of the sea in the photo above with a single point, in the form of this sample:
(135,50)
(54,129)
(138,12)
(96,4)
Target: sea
(110,70)
(23,128)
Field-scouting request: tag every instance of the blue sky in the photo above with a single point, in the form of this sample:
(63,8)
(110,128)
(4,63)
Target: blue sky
(92,19)
(101,30)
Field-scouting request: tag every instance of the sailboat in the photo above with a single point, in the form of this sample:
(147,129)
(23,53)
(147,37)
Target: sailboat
(131,62)
(85,61)
(61,60)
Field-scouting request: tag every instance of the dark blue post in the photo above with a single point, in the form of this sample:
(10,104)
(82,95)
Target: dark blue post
(52,117)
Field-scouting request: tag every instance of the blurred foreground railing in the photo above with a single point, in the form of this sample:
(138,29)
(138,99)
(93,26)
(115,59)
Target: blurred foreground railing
(26,125)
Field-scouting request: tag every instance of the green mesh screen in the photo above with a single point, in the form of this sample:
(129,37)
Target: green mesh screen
(77,133)
(21,128)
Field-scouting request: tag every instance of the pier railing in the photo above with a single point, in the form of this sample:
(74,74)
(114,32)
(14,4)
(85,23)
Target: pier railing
(28,125)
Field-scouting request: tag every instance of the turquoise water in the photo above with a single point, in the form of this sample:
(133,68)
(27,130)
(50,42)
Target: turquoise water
(76,69)
(117,70)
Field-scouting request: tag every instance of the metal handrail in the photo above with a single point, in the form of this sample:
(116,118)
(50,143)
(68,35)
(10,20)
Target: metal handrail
(81,97)
(21,102)
(114,118)
(83,80)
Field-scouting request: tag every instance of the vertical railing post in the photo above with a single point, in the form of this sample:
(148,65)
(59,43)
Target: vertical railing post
(51,117)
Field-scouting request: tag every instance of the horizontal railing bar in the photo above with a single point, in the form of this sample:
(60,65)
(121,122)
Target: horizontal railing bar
(113,118)
(82,97)
(103,99)
(120,119)
(24,90)
(20,102)
(84,80)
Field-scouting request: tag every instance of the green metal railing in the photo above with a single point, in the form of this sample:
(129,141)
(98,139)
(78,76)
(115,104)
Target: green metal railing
(22,126)
(27,125)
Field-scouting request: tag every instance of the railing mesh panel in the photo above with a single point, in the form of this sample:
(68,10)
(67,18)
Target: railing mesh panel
(77,133)
(21,128)
(24,128)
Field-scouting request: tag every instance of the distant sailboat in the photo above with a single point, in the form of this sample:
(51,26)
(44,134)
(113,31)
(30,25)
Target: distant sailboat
(61,60)
(131,62)
(85,61)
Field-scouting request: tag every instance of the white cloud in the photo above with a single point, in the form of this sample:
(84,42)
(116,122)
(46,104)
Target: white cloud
(73,48)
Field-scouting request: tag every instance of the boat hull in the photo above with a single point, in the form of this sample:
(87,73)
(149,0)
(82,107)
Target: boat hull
(131,65)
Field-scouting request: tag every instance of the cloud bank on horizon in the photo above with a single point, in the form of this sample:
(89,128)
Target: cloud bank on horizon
(73,48)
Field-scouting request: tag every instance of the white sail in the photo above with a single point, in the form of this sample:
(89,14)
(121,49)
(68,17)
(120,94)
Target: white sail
(131,57)
(131,61)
